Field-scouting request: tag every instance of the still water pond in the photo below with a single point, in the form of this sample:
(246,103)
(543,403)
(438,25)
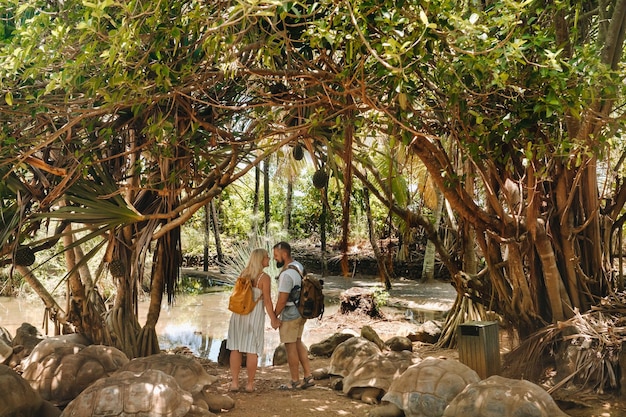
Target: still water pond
(199,322)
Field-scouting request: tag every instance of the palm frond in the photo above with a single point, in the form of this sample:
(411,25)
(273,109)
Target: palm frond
(233,265)
(584,349)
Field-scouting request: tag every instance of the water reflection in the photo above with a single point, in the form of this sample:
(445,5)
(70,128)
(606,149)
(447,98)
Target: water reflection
(199,322)
(15,311)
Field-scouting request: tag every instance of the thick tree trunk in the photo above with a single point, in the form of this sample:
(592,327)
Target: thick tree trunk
(76,298)
(592,247)
(347,190)
(323,218)
(83,271)
(121,320)
(522,302)
(557,296)
(566,235)
(468,234)
(163,265)
(86,309)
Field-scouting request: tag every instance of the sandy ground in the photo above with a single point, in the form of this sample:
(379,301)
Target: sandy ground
(322,400)
(414,302)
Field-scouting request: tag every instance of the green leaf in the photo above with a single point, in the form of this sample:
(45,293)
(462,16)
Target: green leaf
(8,97)
(423,17)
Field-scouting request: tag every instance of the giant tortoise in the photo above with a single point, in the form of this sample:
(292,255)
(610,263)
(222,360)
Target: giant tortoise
(349,354)
(189,374)
(371,379)
(128,394)
(63,370)
(497,396)
(19,399)
(425,389)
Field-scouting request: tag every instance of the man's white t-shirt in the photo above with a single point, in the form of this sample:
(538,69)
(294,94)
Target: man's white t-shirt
(287,280)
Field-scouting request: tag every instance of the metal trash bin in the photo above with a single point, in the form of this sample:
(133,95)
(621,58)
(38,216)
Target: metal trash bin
(479,347)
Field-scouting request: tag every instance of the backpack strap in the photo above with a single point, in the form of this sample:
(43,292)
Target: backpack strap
(292,300)
(295,268)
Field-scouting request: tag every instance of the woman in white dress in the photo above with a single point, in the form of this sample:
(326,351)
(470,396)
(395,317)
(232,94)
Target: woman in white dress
(246,332)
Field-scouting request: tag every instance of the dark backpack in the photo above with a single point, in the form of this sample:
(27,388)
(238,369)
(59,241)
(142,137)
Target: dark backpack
(310,303)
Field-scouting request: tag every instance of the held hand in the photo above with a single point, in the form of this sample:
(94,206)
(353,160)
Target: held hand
(276,323)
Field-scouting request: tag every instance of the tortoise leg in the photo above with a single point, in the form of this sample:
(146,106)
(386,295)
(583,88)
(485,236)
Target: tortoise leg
(196,411)
(371,395)
(386,410)
(320,373)
(48,410)
(218,402)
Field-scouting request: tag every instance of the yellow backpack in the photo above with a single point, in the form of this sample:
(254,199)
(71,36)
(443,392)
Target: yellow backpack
(241,300)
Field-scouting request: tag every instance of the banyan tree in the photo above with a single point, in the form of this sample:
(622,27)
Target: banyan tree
(121,120)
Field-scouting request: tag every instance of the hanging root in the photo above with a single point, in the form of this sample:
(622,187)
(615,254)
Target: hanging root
(149,342)
(123,329)
(463,310)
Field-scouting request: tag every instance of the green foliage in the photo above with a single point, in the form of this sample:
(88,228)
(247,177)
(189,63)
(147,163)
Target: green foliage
(176,100)
(192,234)
(381,297)
(191,286)
(241,250)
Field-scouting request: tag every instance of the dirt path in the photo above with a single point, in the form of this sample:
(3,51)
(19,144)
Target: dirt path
(321,400)
(269,401)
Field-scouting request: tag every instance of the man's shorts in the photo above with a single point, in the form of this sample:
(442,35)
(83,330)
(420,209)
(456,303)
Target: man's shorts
(290,331)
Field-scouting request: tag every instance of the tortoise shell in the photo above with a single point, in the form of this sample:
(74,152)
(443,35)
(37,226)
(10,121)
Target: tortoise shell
(349,354)
(378,371)
(60,374)
(426,389)
(497,396)
(125,394)
(188,372)
(19,399)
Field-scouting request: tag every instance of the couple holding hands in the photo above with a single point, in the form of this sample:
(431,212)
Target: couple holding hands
(246,332)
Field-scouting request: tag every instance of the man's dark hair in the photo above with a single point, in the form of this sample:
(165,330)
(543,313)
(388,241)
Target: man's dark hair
(283,246)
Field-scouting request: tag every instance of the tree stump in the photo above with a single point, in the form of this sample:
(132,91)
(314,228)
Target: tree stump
(359,300)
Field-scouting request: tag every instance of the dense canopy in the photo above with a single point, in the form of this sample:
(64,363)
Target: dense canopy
(122,119)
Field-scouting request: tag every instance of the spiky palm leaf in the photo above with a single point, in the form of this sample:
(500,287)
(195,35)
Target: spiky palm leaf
(233,265)
(592,340)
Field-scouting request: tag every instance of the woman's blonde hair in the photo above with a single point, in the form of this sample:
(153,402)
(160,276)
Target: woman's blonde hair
(255,264)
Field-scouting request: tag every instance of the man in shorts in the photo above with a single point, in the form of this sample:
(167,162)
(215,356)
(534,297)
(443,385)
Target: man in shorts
(292,324)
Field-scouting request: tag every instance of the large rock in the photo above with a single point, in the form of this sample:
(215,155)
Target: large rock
(327,346)
(223,357)
(428,332)
(399,344)
(280,356)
